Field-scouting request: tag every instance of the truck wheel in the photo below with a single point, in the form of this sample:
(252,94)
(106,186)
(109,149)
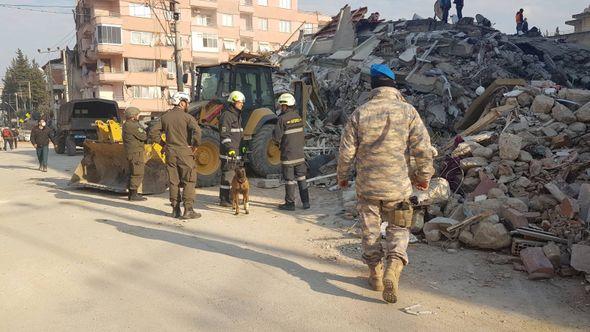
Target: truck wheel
(207,159)
(265,154)
(60,146)
(70,146)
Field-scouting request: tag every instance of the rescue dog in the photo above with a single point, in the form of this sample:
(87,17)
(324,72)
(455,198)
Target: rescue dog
(240,185)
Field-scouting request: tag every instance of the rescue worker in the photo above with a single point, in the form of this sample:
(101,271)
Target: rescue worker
(289,135)
(379,139)
(183,136)
(230,134)
(519,20)
(134,139)
(459,7)
(445,5)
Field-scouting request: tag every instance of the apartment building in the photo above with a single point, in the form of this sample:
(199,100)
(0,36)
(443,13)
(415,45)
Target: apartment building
(126,51)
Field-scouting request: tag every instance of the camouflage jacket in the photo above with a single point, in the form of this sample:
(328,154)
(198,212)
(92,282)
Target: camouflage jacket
(379,139)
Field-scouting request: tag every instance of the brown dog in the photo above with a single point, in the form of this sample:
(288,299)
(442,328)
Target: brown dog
(240,185)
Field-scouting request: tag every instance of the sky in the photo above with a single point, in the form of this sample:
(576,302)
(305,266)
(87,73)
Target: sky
(34,30)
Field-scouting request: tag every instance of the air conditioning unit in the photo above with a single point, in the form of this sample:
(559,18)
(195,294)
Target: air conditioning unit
(171,76)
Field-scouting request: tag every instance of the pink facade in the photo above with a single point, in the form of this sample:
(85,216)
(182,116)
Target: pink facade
(125,46)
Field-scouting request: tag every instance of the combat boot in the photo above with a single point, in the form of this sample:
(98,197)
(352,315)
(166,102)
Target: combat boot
(304,194)
(391,280)
(176,211)
(189,213)
(376,277)
(287,207)
(134,196)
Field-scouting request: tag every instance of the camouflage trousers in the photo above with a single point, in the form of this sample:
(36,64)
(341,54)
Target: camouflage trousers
(372,213)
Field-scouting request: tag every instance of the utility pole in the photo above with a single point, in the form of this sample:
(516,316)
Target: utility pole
(66,80)
(175,9)
(16,115)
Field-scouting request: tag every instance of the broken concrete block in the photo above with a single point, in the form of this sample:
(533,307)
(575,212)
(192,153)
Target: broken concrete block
(583,113)
(433,235)
(515,218)
(438,224)
(537,265)
(524,156)
(563,114)
(581,257)
(584,202)
(524,99)
(473,162)
(510,146)
(578,95)
(549,132)
(555,191)
(422,83)
(568,208)
(409,54)
(542,104)
(483,152)
(488,235)
(465,149)
(553,253)
(578,127)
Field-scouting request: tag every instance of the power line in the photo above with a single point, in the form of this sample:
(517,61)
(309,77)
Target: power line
(20,7)
(36,6)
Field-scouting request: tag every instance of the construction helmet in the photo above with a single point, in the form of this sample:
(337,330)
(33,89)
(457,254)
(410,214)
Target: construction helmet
(287,99)
(236,96)
(177,97)
(131,112)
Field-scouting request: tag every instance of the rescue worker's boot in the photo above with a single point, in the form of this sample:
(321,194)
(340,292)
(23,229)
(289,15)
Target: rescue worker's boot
(376,277)
(287,207)
(176,213)
(189,213)
(134,196)
(224,198)
(391,280)
(304,194)
(44,168)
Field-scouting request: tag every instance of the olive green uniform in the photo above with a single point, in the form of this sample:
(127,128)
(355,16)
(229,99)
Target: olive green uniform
(379,139)
(134,139)
(182,134)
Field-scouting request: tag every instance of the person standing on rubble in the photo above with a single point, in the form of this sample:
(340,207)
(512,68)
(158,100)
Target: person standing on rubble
(183,137)
(290,136)
(378,140)
(519,21)
(459,7)
(230,133)
(134,139)
(445,5)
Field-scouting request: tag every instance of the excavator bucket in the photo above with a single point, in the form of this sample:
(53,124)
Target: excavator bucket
(105,164)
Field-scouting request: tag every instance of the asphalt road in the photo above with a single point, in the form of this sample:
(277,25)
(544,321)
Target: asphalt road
(73,259)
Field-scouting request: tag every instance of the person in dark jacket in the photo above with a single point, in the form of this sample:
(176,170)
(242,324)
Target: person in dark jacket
(445,5)
(290,136)
(183,137)
(134,139)
(15,134)
(40,137)
(230,134)
(459,7)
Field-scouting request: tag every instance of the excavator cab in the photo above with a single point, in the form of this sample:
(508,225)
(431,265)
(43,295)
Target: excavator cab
(213,84)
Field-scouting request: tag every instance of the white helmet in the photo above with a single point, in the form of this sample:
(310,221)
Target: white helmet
(287,99)
(177,97)
(236,96)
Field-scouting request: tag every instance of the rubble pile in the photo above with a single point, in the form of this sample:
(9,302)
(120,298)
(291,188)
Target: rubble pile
(508,114)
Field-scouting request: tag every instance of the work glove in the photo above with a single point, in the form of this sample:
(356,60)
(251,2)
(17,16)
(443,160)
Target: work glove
(231,153)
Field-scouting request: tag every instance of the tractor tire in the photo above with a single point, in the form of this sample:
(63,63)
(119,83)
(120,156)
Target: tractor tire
(70,146)
(60,146)
(265,154)
(207,159)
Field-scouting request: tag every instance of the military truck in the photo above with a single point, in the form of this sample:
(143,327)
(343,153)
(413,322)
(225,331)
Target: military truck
(76,120)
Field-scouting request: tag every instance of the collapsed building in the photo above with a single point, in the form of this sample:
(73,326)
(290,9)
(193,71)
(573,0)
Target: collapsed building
(509,116)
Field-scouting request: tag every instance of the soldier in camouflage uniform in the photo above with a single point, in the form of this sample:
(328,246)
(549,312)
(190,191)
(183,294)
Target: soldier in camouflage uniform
(379,139)
(134,139)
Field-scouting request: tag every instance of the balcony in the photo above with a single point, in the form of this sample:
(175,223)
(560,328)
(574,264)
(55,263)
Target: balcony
(111,76)
(246,6)
(112,19)
(204,3)
(109,49)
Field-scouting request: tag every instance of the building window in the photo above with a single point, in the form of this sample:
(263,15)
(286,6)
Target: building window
(308,28)
(142,38)
(140,65)
(246,44)
(264,47)
(203,19)
(285,4)
(227,20)
(108,34)
(139,10)
(264,24)
(263,2)
(246,2)
(204,42)
(229,45)
(170,40)
(285,26)
(146,92)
